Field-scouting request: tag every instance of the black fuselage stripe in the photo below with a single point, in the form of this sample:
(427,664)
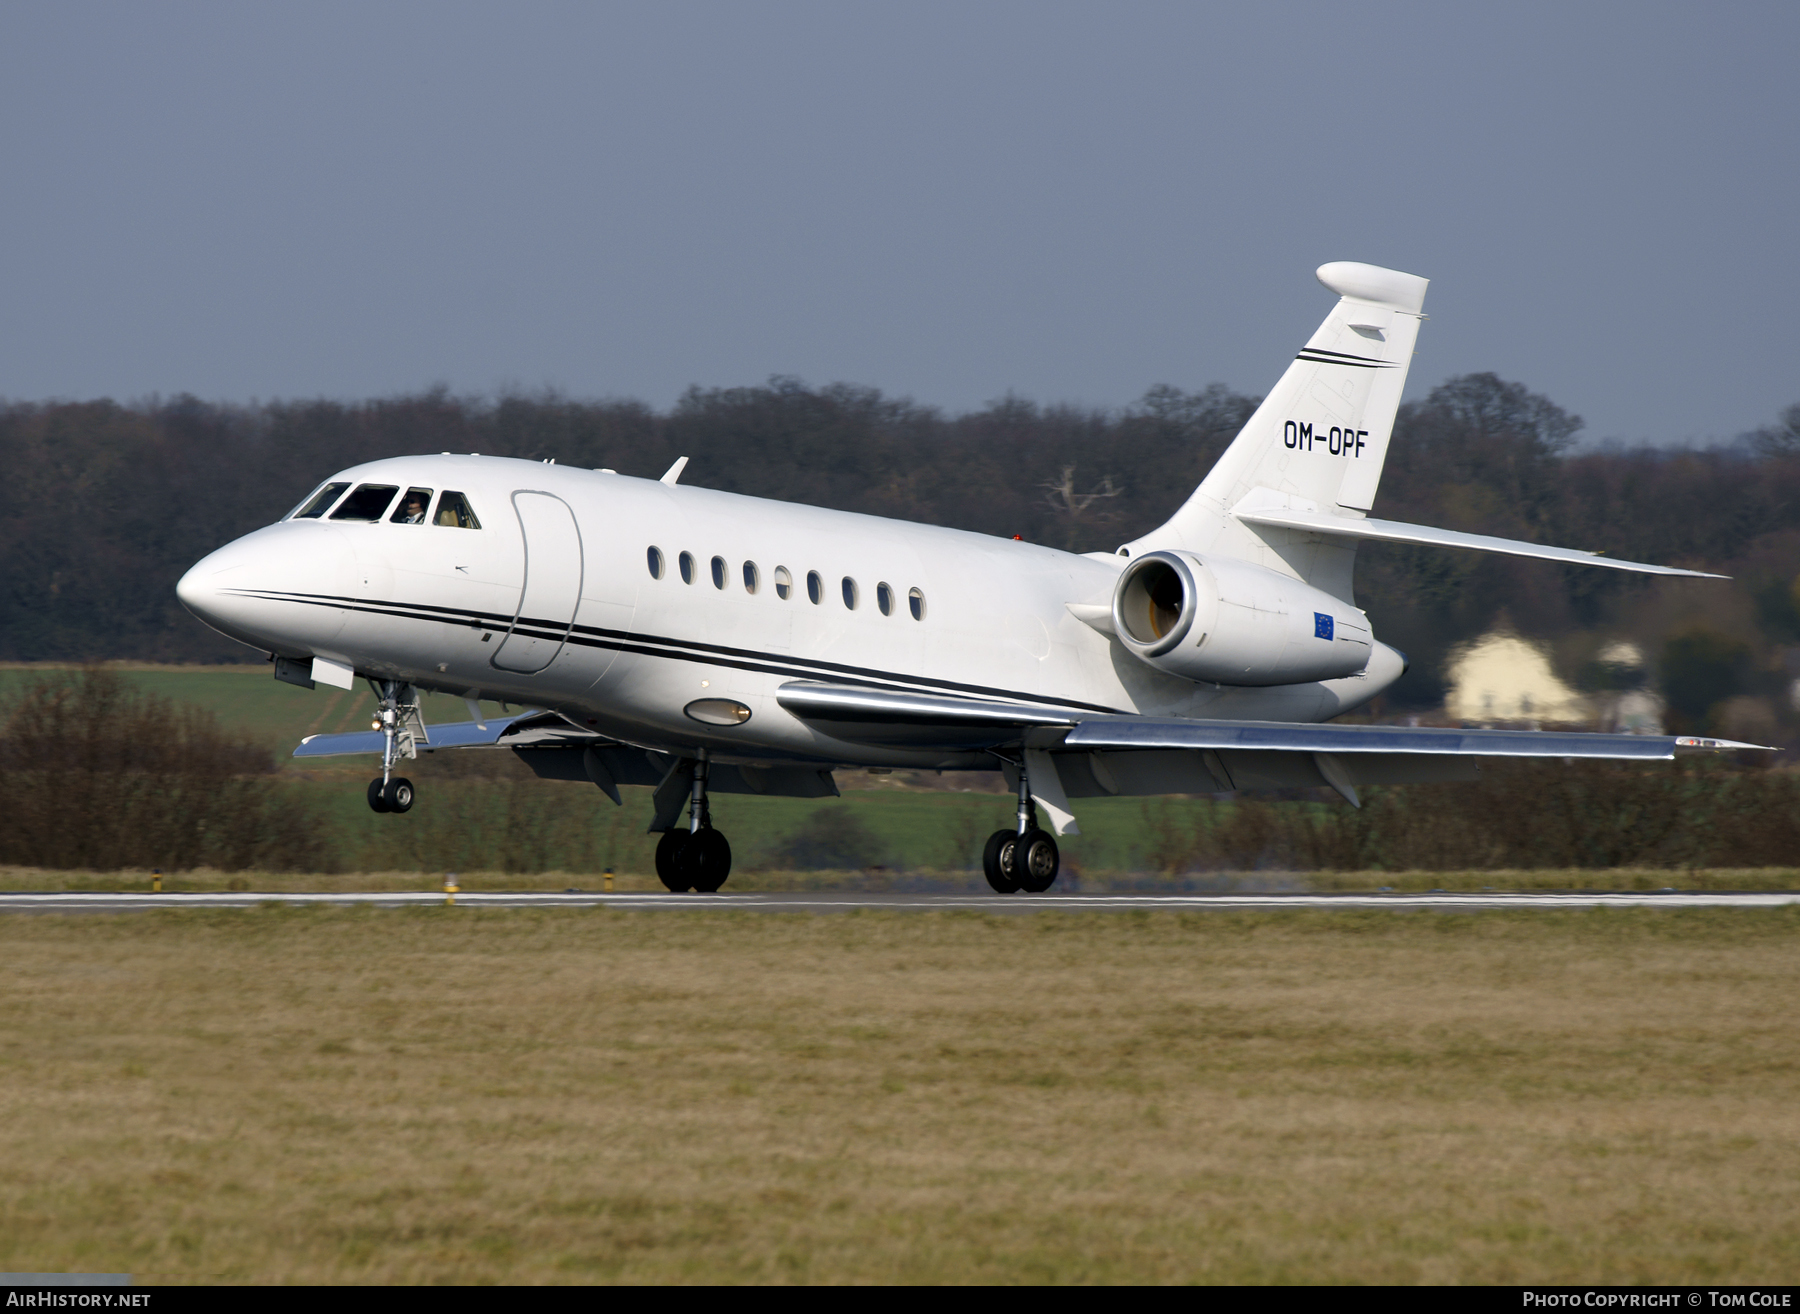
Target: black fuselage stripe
(746,659)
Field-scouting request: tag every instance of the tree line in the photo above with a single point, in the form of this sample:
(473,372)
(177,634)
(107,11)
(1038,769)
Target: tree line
(105,505)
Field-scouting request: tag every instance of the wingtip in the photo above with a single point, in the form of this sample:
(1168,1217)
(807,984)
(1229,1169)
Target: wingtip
(1702,744)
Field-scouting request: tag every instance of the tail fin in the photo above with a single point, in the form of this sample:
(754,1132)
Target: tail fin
(1320,438)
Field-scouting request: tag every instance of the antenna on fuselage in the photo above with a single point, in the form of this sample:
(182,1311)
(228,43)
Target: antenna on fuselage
(672,475)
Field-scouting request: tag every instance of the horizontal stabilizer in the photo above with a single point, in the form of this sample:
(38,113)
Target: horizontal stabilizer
(1393,531)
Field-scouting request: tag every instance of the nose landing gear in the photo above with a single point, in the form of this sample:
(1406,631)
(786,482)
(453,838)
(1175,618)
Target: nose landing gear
(392,795)
(1026,857)
(698,858)
(397,717)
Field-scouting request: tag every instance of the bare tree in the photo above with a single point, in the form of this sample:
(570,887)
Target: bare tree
(1062,499)
(1781,438)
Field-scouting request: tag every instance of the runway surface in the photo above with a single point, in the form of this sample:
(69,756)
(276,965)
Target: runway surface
(831,902)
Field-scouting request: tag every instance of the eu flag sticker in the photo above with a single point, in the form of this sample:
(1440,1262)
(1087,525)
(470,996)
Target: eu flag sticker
(1321,625)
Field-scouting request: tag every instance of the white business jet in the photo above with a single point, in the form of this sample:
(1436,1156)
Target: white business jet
(704,642)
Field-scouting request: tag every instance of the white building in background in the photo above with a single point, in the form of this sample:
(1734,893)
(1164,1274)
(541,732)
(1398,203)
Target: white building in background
(1501,678)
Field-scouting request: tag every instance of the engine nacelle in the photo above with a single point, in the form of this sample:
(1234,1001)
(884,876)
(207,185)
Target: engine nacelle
(1231,622)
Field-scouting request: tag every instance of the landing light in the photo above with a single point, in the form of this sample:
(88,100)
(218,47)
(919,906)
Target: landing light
(717,711)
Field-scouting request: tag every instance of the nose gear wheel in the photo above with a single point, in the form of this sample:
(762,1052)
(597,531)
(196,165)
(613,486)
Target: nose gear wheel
(402,729)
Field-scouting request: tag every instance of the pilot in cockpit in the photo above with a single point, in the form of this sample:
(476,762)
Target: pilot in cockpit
(412,511)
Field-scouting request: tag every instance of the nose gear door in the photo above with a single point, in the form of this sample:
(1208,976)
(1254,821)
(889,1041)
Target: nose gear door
(552,584)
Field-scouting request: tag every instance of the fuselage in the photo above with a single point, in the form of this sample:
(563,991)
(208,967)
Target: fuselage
(621,602)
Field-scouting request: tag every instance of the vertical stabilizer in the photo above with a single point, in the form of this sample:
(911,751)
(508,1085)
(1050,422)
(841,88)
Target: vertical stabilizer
(1320,438)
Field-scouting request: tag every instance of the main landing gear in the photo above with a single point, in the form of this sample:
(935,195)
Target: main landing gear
(697,858)
(1024,858)
(395,717)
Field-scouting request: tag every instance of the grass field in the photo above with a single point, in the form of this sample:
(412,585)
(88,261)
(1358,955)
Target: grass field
(460,1096)
(932,829)
(484,812)
(246,698)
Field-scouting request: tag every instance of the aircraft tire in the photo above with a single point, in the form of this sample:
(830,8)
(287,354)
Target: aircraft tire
(707,860)
(669,868)
(998,863)
(398,795)
(377,800)
(1037,862)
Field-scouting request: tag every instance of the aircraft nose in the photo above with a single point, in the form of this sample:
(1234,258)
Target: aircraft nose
(195,588)
(205,589)
(238,589)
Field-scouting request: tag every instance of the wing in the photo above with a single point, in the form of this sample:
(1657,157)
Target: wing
(1109,753)
(882,716)
(556,750)
(526,729)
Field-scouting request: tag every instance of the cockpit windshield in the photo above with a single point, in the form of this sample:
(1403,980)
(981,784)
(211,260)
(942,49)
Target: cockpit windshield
(411,508)
(320,502)
(366,503)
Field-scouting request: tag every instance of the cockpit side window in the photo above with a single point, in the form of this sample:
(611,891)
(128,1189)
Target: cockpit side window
(320,502)
(366,503)
(454,512)
(412,508)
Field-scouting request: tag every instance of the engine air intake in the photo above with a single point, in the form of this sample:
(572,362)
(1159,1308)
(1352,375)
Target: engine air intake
(1154,604)
(1225,621)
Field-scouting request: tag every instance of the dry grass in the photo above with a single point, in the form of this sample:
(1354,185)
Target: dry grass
(435,1095)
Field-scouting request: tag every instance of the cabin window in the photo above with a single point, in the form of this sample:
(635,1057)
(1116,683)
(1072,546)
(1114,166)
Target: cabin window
(884,598)
(850,593)
(915,598)
(718,572)
(752,578)
(413,507)
(366,503)
(687,567)
(655,559)
(815,587)
(784,583)
(320,502)
(454,512)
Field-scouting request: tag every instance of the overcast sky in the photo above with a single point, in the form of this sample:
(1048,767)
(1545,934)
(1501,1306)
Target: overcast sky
(949,201)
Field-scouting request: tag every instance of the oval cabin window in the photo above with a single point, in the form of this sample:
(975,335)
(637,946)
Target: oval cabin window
(850,593)
(815,587)
(752,579)
(784,583)
(656,563)
(884,598)
(718,567)
(686,561)
(915,599)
